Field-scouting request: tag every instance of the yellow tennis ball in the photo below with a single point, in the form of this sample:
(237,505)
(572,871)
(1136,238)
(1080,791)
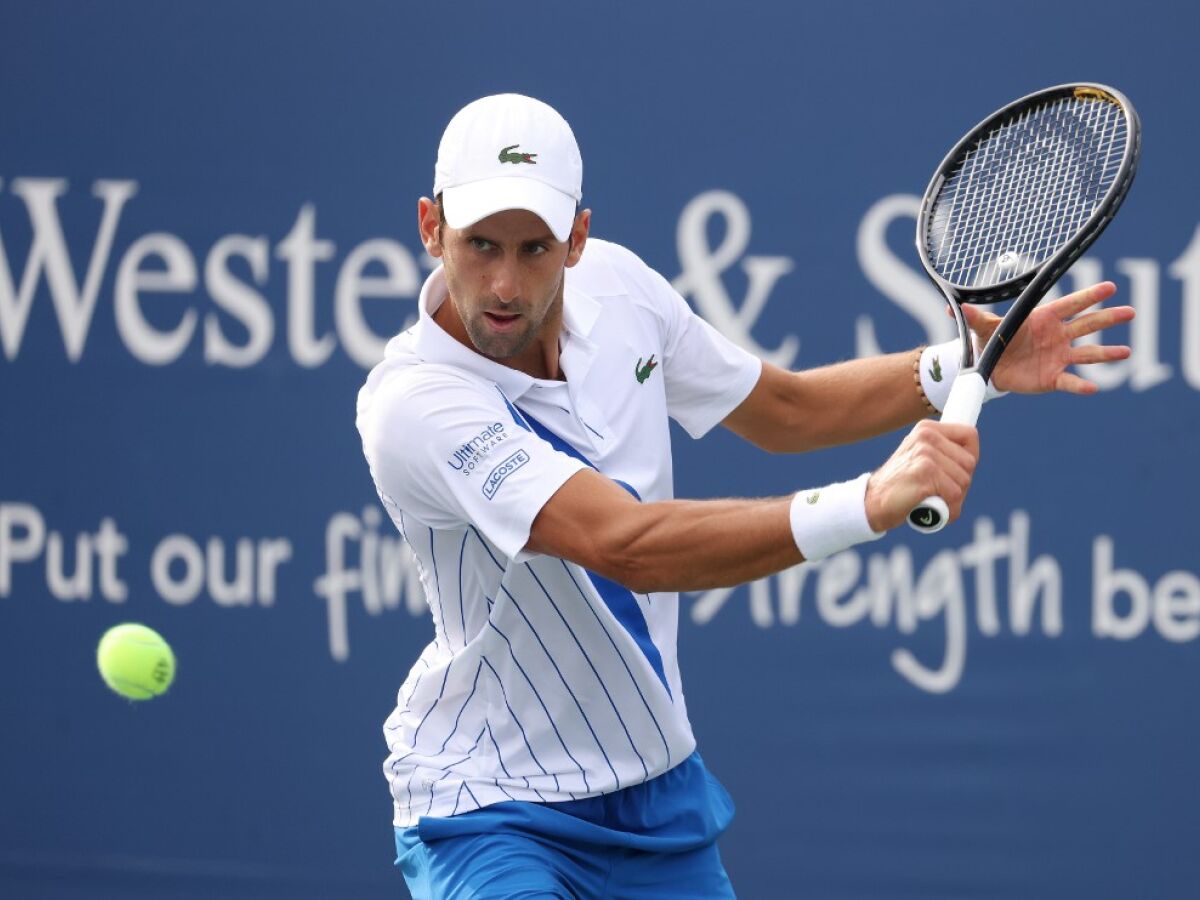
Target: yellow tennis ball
(135,661)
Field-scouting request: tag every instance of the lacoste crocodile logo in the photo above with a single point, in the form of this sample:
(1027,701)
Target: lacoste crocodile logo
(507,155)
(812,498)
(936,372)
(640,372)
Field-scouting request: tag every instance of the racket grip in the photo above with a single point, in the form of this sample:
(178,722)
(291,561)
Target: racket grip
(962,408)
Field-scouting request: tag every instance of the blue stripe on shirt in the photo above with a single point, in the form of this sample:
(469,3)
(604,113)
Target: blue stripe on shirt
(616,649)
(503,767)
(565,683)
(513,411)
(486,548)
(520,727)
(441,691)
(618,598)
(462,614)
(603,686)
(461,709)
(437,584)
(541,702)
(588,603)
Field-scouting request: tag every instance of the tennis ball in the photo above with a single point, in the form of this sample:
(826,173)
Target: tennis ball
(135,661)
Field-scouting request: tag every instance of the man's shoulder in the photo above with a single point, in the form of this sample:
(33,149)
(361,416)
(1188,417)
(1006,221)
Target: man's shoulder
(412,386)
(607,269)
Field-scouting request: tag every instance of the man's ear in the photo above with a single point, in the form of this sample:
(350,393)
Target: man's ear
(429,225)
(578,236)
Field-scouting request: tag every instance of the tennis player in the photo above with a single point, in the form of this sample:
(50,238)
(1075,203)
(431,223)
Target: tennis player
(518,437)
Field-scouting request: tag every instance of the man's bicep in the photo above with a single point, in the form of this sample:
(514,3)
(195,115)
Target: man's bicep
(770,409)
(793,412)
(583,522)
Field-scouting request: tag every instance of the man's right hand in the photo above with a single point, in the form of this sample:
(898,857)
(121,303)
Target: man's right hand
(934,459)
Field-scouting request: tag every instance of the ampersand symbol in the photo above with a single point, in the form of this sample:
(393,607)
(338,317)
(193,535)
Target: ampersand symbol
(702,267)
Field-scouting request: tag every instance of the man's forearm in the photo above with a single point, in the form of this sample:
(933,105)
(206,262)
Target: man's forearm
(688,545)
(679,545)
(670,545)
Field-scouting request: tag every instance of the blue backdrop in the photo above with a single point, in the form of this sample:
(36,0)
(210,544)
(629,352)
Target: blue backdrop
(207,216)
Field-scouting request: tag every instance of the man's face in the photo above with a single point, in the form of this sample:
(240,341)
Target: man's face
(505,277)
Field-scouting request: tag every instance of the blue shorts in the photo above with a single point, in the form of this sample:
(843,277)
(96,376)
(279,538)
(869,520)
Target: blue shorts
(652,840)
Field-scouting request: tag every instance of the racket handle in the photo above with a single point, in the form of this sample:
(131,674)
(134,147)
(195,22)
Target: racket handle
(962,408)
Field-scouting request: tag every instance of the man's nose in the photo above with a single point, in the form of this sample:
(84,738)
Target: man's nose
(506,281)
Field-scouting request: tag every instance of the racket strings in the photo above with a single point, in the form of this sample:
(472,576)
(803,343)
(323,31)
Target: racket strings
(1088,188)
(994,184)
(1024,189)
(1016,193)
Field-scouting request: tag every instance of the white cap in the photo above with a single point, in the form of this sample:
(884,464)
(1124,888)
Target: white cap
(509,152)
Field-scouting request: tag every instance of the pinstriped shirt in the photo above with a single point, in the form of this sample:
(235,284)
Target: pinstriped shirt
(544,682)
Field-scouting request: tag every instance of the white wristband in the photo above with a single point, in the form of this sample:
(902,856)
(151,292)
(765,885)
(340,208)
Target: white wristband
(939,368)
(828,520)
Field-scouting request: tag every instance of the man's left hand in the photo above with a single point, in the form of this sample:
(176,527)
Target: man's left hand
(1038,357)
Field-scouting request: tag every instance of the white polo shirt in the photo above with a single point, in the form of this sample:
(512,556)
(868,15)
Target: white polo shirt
(544,682)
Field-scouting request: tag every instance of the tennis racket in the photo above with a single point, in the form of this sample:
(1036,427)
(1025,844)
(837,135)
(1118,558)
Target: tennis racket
(1009,209)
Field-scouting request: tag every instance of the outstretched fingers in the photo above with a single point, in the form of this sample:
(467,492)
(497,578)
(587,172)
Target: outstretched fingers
(1077,302)
(1071,383)
(1087,354)
(1098,321)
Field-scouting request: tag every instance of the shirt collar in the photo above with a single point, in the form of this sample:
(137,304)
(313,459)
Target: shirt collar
(580,311)
(433,344)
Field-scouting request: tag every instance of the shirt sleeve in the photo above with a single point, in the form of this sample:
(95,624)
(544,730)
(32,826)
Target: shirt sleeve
(706,375)
(442,448)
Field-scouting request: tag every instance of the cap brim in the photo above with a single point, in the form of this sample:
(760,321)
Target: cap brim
(466,204)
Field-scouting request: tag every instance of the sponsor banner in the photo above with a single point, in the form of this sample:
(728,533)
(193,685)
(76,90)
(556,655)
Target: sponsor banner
(207,237)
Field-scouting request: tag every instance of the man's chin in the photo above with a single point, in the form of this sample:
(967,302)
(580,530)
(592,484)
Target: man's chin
(499,347)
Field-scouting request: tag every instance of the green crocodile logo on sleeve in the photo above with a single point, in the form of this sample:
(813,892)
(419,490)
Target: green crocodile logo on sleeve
(642,372)
(508,156)
(936,372)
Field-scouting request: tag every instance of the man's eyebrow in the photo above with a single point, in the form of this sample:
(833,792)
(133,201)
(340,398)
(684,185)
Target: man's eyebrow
(472,233)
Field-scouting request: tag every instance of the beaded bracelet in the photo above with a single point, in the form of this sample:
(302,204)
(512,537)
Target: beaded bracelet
(930,409)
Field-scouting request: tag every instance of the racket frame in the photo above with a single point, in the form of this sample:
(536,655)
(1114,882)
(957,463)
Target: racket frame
(1035,283)
(1029,287)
